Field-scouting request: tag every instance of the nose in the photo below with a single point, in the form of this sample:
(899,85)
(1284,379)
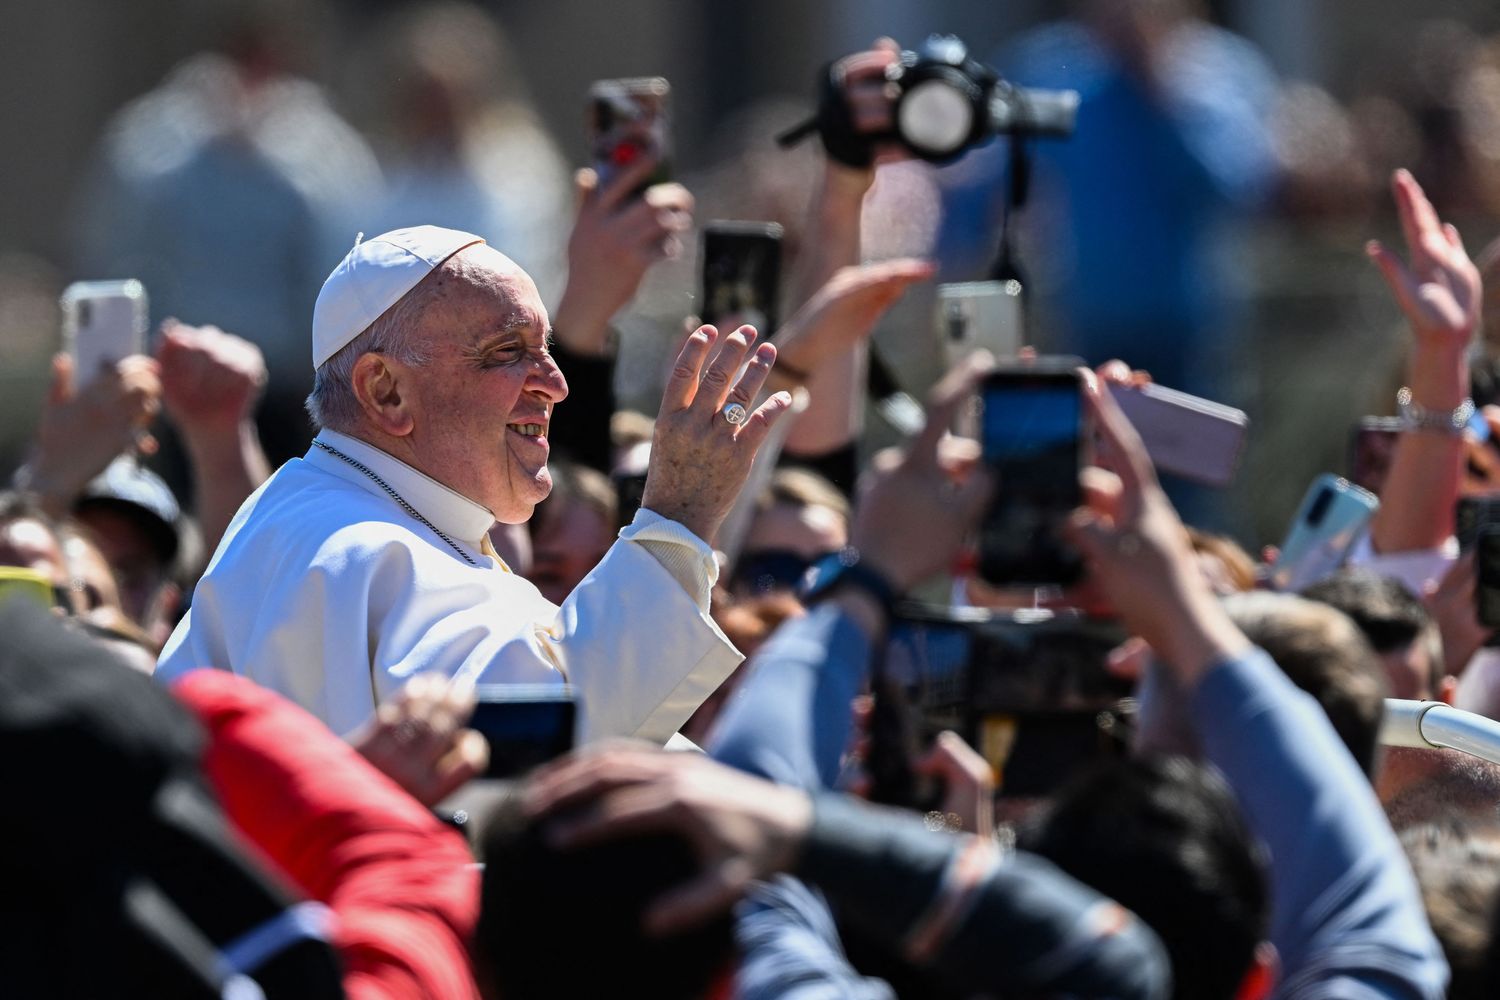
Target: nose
(546,380)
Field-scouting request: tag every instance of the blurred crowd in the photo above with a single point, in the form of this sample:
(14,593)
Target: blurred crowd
(260,616)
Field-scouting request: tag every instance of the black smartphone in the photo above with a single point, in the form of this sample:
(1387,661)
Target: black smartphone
(1029,690)
(1471,515)
(741,274)
(525,724)
(628,121)
(1030,429)
(629,489)
(1487,562)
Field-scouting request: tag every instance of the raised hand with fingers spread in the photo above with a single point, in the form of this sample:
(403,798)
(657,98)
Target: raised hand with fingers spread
(1438,290)
(706,434)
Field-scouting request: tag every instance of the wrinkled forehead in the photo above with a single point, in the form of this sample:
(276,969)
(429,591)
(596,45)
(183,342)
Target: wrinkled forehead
(481,288)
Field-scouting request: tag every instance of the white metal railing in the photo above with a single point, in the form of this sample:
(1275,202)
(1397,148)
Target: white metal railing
(1434,724)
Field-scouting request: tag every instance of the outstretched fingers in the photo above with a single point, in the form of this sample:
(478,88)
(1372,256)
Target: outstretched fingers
(682,384)
(715,386)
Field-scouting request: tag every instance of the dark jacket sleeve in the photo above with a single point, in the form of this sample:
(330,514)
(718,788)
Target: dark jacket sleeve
(579,428)
(1003,925)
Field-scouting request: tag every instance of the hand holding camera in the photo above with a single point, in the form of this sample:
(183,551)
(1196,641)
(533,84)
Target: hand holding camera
(934,103)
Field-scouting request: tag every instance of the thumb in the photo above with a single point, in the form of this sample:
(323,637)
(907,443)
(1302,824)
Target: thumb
(62,387)
(585,183)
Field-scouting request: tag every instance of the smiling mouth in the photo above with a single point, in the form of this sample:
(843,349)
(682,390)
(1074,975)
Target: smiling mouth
(530,430)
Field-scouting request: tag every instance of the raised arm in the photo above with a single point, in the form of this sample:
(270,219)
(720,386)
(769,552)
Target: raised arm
(835,385)
(616,238)
(1346,917)
(210,383)
(1438,292)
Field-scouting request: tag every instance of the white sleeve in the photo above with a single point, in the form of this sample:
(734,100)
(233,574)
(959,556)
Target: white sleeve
(1418,570)
(643,652)
(683,554)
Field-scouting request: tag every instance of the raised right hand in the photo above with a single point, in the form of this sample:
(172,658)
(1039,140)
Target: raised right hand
(699,460)
(1439,291)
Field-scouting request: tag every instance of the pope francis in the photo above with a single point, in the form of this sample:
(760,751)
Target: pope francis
(367,561)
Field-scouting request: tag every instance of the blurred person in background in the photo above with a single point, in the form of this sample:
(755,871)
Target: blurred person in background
(85,461)
(799,519)
(1127,233)
(229,191)
(459,142)
(571,529)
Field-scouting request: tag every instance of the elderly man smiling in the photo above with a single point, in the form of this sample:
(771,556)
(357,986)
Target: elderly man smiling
(367,561)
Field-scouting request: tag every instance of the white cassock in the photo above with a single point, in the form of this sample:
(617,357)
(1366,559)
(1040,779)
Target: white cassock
(326,590)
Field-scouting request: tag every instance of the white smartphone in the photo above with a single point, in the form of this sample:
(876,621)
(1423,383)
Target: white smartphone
(1185,435)
(1333,513)
(979,314)
(103,322)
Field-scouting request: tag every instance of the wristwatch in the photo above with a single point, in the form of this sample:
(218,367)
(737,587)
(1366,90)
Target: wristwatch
(1419,418)
(844,569)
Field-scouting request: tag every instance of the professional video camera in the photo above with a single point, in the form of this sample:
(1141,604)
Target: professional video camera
(946,101)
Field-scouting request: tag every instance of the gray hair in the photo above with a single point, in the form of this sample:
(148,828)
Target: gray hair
(395,333)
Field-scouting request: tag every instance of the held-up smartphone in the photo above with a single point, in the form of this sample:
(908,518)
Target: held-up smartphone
(974,315)
(1031,433)
(1329,520)
(741,274)
(1187,436)
(628,492)
(1487,561)
(628,121)
(1028,689)
(526,725)
(103,322)
(1471,515)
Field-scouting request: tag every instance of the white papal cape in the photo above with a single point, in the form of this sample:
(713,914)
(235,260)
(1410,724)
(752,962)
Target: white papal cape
(325,590)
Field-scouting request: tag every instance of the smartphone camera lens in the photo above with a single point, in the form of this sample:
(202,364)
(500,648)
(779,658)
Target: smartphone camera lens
(85,313)
(1319,508)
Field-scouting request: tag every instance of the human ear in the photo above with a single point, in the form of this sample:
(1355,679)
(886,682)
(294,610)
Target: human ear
(377,386)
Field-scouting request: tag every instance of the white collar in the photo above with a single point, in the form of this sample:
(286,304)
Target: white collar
(449,511)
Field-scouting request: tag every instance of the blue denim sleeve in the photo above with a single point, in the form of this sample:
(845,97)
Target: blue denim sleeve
(790,721)
(1346,917)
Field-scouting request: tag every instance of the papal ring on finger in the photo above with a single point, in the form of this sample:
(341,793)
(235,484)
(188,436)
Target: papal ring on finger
(735,413)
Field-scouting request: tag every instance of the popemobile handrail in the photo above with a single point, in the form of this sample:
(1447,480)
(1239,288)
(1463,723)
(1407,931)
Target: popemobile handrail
(1427,724)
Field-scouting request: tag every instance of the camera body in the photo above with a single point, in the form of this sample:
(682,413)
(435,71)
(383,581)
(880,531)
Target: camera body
(945,102)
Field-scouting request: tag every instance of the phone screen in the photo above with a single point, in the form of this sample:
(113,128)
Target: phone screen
(741,274)
(1029,432)
(523,726)
(628,121)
